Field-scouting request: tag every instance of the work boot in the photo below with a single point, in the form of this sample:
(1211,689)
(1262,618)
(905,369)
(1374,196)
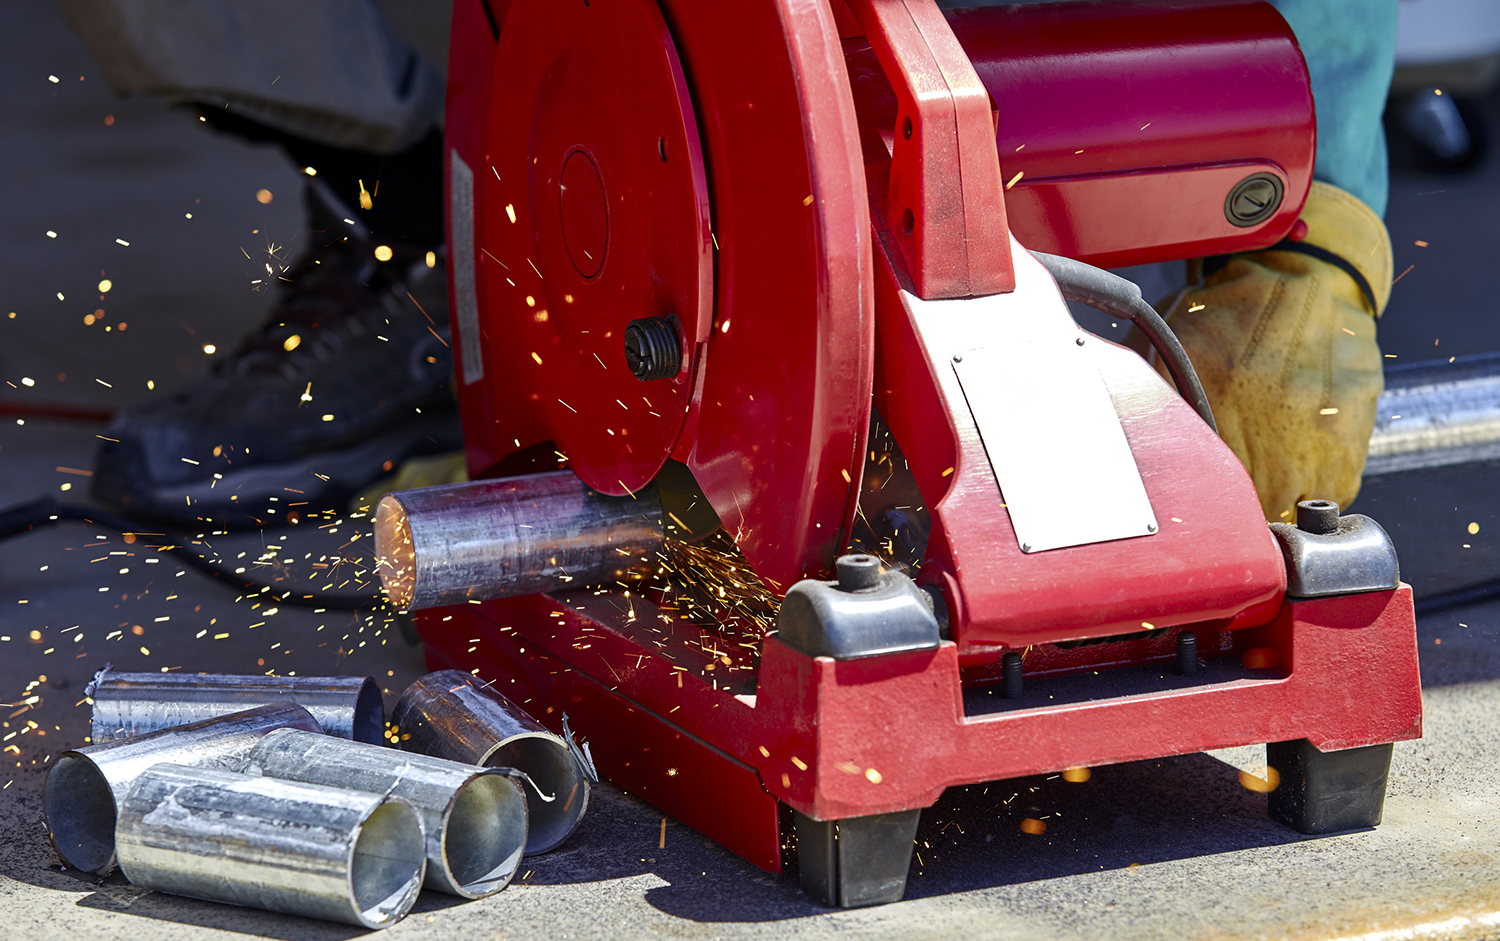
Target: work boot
(348,377)
(1284,343)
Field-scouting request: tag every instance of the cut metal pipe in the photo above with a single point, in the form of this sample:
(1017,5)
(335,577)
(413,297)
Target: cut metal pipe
(86,785)
(452,715)
(511,536)
(475,818)
(130,704)
(323,852)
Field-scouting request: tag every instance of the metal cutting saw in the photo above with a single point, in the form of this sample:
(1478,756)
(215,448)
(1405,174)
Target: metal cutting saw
(793,480)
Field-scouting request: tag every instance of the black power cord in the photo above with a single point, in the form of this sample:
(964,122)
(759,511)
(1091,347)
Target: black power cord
(1120,298)
(1459,598)
(47,512)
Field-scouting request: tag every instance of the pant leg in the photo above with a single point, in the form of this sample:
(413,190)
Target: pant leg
(332,72)
(1350,48)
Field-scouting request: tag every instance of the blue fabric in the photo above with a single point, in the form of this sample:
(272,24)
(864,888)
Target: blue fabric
(1350,48)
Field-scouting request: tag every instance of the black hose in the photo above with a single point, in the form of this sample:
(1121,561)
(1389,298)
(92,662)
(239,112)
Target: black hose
(46,512)
(1120,298)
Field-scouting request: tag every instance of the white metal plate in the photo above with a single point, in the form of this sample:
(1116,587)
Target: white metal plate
(461,260)
(1054,442)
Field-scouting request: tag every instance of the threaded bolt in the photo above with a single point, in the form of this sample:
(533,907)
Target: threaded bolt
(652,350)
(1010,676)
(1187,653)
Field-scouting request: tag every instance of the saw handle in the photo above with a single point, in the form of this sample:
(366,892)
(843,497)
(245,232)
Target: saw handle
(1118,297)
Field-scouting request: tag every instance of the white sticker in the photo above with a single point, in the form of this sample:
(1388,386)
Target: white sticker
(1055,444)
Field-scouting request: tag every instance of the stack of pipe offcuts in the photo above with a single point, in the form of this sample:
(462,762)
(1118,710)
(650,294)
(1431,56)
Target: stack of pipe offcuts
(275,805)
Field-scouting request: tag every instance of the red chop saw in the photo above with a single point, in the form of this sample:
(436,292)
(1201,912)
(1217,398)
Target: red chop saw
(761,272)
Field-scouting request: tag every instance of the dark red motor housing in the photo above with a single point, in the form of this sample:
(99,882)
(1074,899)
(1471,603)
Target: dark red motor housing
(1123,129)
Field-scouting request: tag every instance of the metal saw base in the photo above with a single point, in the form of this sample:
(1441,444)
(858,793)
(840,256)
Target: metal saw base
(693,725)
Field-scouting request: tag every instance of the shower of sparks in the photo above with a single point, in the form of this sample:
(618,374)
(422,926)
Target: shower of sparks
(153,636)
(711,584)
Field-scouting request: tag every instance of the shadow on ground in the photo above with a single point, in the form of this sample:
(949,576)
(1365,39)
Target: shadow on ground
(1131,814)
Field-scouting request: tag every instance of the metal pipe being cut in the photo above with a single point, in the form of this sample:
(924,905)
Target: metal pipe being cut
(452,715)
(130,704)
(86,786)
(323,852)
(511,536)
(475,818)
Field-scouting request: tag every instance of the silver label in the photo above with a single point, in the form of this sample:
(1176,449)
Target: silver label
(461,258)
(1054,442)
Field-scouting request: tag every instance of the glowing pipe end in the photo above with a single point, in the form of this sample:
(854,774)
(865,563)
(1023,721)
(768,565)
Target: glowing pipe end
(395,554)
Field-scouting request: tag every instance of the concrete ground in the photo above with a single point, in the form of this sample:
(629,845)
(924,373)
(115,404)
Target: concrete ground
(1161,849)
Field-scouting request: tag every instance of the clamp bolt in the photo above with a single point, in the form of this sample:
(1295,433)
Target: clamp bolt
(857,571)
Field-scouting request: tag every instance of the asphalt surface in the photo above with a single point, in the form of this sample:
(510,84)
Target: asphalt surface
(1161,849)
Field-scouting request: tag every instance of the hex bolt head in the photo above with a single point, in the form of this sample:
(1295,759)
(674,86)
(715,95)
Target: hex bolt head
(857,571)
(652,350)
(1318,516)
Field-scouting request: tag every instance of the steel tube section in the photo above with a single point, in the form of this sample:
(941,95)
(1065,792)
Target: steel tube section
(452,715)
(130,704)
(85,786)
(475,818)
(323,852)
(512,536)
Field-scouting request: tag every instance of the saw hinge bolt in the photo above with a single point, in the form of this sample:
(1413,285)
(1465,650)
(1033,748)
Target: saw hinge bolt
(652,350)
